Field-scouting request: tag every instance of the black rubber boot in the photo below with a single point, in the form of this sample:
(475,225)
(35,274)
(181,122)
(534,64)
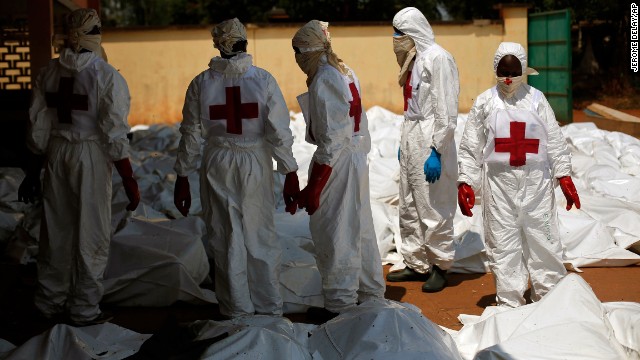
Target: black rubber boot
(406,274)
(437,280)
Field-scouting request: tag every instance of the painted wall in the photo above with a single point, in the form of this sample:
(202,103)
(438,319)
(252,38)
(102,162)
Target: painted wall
(159,63)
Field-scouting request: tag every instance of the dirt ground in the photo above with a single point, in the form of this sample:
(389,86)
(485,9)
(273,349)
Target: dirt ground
(471,293)
(466,294)
(581,116)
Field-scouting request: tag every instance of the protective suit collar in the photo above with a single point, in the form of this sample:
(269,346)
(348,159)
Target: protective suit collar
(76,62)
(238,64)
(413,23)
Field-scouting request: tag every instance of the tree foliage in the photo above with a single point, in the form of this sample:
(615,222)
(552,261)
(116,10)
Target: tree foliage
(183,12)
(600,27)
(193,12)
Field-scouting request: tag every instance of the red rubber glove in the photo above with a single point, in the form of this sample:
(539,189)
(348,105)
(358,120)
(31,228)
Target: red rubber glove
(130,184)
(466,199)
(182,195)
(290,192)
(569,191)
(310,196)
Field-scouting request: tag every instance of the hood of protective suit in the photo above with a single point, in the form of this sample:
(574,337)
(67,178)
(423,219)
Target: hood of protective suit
(226,34)
(76,62)
(508,86)
(510,48)
(238,64)
(79,23)
(515,49)
(314,42)
(413,23)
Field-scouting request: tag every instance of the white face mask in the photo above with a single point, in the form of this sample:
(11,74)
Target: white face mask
(508,85)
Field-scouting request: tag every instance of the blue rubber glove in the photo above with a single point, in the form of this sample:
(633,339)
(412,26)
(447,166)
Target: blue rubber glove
(433,167)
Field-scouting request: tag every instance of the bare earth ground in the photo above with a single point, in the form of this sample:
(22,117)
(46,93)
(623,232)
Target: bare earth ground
(466,294)
(581,116)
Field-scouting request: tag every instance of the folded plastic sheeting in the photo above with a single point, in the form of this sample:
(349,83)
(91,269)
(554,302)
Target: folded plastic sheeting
(606,168)
(19,222)
(256,337)
(105,342)
(156,263)
(625,320)
(588,241)
(568,323)
(300,282)
(381,329)
(6,348)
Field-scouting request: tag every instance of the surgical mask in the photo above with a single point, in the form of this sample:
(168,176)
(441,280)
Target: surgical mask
(308,63)
(402,44)
(304,62)
(507,86)
(405,50)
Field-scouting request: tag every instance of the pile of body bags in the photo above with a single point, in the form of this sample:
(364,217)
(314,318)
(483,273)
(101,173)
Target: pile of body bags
(157,257)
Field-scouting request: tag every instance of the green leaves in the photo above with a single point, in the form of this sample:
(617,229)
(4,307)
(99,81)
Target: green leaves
(200,12)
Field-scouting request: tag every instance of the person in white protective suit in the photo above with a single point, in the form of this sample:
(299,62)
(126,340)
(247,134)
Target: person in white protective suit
(78,124)
(239,110)
(513,149)
(337,194)
(427,154)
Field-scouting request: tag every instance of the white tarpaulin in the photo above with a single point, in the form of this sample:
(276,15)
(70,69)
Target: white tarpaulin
(624,317)
(105,342)
(300,282)
(568,323)
(147,259)
(381,329)
(256,337)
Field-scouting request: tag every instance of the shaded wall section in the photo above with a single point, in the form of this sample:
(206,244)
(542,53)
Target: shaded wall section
(159,63)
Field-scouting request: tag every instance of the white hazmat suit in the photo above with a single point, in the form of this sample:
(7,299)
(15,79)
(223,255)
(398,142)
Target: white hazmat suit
(342,227)
(240,112)
(78,120)
(513,149)
(431,111)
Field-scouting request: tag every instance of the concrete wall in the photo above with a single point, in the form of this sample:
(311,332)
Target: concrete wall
(159,63)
